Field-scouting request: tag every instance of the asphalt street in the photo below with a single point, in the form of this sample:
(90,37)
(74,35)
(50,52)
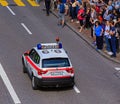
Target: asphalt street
(97,81)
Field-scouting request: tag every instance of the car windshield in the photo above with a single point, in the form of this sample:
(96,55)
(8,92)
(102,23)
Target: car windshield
(55,62)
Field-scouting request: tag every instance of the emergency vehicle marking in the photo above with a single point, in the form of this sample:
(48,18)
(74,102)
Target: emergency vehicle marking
(52,70)
(49,66)
(31,63)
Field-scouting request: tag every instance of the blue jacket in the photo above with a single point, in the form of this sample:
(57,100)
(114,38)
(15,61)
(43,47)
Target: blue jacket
(98,30)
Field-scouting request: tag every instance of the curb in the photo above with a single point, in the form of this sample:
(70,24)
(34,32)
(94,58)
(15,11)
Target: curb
(89,43)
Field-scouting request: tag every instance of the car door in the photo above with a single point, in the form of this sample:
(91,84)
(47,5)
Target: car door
(35,58)
(31,63)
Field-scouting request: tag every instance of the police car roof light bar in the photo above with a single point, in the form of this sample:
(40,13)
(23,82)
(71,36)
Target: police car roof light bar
(60,45)
(49,46)
(39,46)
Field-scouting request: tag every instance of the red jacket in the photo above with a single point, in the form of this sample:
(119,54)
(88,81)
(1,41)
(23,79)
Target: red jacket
(80,13)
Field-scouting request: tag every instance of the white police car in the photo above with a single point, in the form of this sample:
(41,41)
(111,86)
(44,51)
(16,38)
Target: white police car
(48,64)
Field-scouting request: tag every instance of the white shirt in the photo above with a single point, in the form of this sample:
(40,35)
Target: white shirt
(107,28)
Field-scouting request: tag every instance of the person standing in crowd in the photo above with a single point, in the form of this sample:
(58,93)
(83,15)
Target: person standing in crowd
(92,19)
(107,38)
(113,38)
(70,2)
(110,7)
(47,5)
(98,33)
(80,16)
(74,14)
(87,21)
(107,15)
(61,13)
(117,26)
(114,15)
(84,3)
(67,7)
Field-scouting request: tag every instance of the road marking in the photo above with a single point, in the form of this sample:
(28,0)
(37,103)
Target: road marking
(117,68)
(26,28)
(76,89)
(33,2)
(3,3)
(19,2)
(11,10)
(9,85)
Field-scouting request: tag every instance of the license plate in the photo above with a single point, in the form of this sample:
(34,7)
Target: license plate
(56,73)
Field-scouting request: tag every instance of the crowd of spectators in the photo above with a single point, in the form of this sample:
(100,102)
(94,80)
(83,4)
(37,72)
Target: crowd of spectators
(102,17)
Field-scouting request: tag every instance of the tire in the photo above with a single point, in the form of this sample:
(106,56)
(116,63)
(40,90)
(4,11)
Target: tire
(24,68)
(72,85)
(34,83)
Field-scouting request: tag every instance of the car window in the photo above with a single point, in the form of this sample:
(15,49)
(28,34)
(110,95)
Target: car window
(34,56)
(32,53)
(55,62)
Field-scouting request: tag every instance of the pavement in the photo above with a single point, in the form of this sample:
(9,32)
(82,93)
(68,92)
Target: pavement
(85,35)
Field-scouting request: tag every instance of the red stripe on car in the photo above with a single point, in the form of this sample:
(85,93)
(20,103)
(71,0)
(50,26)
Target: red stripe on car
(31,63)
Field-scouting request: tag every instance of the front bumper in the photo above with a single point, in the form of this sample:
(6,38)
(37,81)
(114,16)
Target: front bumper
(55,82)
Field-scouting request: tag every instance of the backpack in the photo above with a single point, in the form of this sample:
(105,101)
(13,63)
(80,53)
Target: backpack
(62,8)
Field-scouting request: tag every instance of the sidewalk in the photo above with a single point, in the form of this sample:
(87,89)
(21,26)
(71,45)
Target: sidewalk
(85,35)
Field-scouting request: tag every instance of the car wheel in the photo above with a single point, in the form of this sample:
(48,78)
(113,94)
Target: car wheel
(24,68)
(72,86)
(34,83)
